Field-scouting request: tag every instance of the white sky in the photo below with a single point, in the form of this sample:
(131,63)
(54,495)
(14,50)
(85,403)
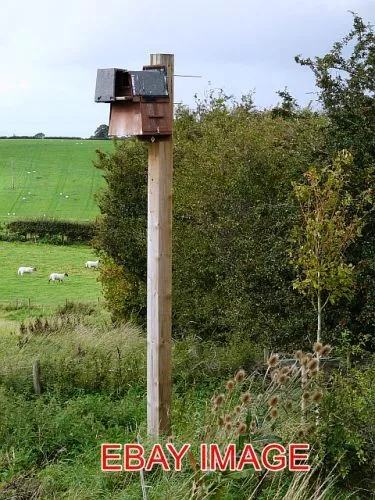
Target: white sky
(50,51)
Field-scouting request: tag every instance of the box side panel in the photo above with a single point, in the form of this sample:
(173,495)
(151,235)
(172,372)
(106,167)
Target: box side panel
(125,119)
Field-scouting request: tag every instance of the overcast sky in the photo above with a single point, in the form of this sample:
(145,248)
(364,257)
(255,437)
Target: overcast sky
(50,51)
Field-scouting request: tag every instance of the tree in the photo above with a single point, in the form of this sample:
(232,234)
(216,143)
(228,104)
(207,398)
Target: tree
(345,77)
(101,132)
(233,168)
(39,135)
(329,224)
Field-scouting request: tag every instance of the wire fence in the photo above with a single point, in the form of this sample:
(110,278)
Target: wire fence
(30,303)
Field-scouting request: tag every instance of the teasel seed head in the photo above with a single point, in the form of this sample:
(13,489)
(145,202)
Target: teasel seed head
(298,355)
(326,349)
(220,422)
(230,385)
(240,375)
(285,370)
(238,409)
(253,425)
(317,397)
(317,347)
(273,360)
(313,364)
(245,398)
(273,401)
(228,426)
(242,428)
(282,379)
(219,399)
(306,395)
(228,418)
(274,412)
(304,361)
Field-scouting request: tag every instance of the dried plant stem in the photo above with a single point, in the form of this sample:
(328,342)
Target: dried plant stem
(303,400)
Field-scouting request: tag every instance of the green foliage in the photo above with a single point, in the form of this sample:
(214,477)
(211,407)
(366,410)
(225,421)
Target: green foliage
(101,132)
(121,231)
(50,231)
(329,223)
(347,431)
(39,431)
(195,360)
(345,77)
(232,172)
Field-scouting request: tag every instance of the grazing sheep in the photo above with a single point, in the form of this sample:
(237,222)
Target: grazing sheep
(57,277)
(92,263)
(28,270)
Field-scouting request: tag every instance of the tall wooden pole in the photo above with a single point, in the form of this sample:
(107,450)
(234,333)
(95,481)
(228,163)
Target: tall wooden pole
(159,272)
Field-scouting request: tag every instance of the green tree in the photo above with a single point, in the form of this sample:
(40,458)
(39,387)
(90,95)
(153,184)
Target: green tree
(329,224)
(345,78)
(101,132)
(233,168)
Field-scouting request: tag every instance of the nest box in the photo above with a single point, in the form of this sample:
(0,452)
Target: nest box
(140,104)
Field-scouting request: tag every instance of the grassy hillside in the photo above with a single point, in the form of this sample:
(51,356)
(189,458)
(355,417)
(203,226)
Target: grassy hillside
(80,285)
(55,178)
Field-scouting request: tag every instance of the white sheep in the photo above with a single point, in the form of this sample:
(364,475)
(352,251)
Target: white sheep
(92,264)
(57,277)
(28,270)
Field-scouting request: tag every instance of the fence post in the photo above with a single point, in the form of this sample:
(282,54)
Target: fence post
(36,378)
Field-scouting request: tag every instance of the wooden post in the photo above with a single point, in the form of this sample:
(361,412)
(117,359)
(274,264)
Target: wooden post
(159,272)
(12,175)
(36,378)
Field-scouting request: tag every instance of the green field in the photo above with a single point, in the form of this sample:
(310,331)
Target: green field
(49,177)
(80,285)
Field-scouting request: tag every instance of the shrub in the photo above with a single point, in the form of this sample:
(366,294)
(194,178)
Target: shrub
(233,169)
(347,428)
(49,231)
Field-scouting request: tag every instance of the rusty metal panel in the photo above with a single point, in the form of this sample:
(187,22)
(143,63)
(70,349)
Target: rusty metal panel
(125,119)
(149,83)
(156,118)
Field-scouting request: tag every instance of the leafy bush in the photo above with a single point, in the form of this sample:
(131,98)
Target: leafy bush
(233,169)
(49,231)
(196,360)
(347,427)
(48,428)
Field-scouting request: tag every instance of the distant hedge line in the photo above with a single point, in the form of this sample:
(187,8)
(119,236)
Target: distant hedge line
(48,230)
(38,138)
